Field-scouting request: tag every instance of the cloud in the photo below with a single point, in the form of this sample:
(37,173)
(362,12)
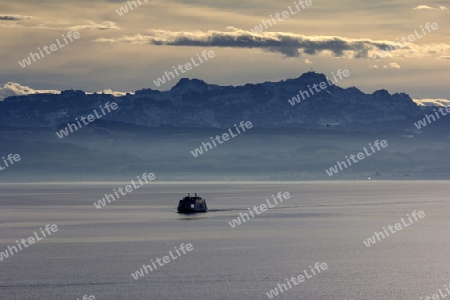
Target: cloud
(288,44)
(15,89)
(426,7)
(12,20)
(106,25)
(392,65)
(432,102)
(423,7)
(13,17)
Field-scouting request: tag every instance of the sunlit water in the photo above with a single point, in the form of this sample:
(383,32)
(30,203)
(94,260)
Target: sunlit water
(95,251)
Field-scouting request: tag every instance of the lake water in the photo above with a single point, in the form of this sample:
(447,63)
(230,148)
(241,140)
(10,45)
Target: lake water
(95,251)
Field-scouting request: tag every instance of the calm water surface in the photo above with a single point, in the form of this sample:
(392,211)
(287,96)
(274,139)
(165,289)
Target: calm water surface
(95,251)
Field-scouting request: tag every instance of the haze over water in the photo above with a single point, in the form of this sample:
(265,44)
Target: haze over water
(95,251)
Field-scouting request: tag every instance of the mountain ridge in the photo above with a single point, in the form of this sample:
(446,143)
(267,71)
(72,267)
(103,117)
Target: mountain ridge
(195,103)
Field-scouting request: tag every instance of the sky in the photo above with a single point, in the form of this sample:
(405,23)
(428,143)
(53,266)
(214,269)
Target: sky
(130,51)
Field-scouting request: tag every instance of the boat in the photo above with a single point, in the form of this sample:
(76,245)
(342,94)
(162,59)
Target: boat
(191,204)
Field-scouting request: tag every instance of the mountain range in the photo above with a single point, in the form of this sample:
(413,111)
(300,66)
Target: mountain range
(194,103)
(155,131)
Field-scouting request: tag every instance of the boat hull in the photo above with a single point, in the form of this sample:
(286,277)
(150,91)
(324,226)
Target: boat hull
(191,211)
